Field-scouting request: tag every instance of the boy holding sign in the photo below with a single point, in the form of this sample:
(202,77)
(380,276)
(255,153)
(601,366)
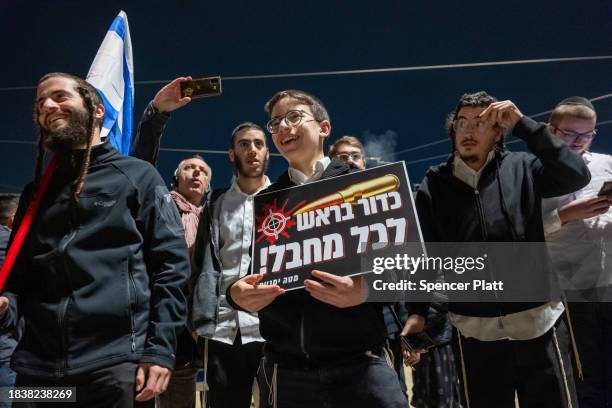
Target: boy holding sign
(324,344)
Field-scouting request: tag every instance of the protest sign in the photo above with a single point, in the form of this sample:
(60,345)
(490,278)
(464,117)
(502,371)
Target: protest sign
(332,224)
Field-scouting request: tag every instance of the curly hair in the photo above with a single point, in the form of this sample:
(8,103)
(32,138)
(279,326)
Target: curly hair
(480,99)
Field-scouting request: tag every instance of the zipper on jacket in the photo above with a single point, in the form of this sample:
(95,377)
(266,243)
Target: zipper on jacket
(483,228)
(60,320)
(132,305)
(302,339)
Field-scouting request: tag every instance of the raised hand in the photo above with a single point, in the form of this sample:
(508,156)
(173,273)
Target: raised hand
(504,113)
(169,97)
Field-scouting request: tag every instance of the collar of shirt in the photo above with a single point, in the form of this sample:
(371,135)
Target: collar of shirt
(235,188)
(587,157)
(467,174)
(318,168)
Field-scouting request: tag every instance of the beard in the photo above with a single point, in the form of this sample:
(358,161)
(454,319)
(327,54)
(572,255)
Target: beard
(239,168)
(74,133)
(469,158)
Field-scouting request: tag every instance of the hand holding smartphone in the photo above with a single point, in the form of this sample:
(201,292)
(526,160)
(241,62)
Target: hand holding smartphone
(413,345)
(606,189)
(417,341)
(201,87)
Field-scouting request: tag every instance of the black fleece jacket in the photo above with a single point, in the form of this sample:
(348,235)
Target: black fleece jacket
(98,282)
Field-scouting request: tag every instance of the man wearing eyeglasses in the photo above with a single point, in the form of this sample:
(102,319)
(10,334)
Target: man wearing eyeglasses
(324,345)
(484,193)
(578,229)
(350,150)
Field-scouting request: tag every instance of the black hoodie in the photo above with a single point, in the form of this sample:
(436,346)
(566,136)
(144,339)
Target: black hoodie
(505,207)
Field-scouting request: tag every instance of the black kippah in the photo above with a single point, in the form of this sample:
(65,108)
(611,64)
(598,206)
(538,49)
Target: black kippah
(577,100)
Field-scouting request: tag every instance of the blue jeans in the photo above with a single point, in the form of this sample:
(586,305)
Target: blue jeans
(7,379)
(365,381)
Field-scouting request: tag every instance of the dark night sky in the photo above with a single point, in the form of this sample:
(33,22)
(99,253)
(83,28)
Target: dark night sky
(235,38)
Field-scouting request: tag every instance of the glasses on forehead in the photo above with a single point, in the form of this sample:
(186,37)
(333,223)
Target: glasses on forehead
(356,156)
(292,118)
(464,125)
(572,137)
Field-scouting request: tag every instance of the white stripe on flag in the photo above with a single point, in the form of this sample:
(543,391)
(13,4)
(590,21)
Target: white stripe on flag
(112,73)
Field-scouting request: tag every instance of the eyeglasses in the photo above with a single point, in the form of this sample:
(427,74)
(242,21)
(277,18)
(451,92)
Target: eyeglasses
(355,156)
(573,137)
(464,125)
(292,118)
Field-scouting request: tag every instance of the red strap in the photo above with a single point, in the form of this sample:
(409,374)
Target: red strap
(24,227)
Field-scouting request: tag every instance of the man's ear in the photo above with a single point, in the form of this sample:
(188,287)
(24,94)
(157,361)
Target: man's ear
(232,155)
(99,112)
(325,129)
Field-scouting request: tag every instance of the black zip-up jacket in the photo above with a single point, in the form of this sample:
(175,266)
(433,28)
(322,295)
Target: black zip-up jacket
(505,207)
(98,282)
(145,147)
(299,329)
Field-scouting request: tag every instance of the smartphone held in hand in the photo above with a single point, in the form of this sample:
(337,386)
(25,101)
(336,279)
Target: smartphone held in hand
(417,341)
(606,189)
(201,87)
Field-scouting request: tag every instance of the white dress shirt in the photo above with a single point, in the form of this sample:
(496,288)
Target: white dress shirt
(235,218)
(581,250)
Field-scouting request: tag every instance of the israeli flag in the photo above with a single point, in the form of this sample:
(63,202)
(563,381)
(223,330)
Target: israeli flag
(112,73)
